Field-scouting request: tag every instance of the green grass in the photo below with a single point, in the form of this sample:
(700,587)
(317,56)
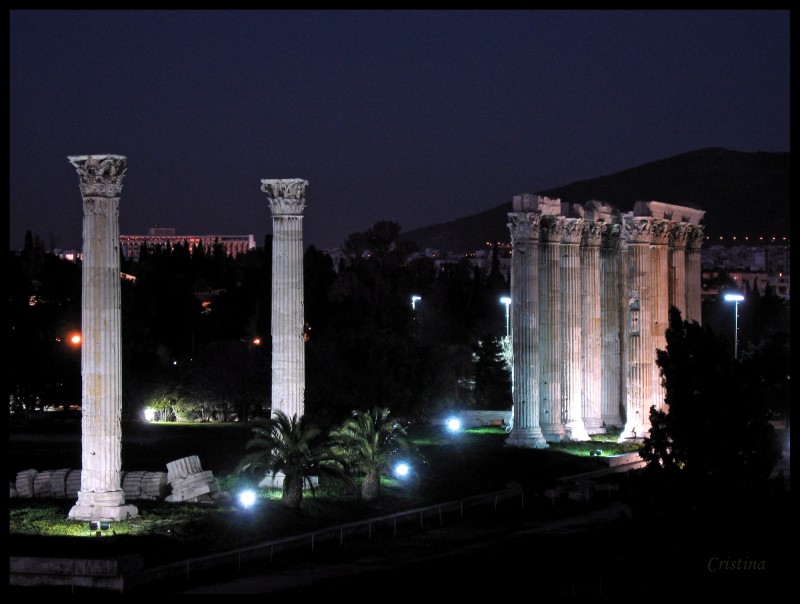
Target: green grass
(450,466)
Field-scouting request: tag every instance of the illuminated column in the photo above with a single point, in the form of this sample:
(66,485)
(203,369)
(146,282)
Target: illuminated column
(101,496)
(659,292)
(639,305)
(677,267)
(287,202)
(610,327)
(550,422)
(524,226)
(591,350)
(572,370)
(694,273)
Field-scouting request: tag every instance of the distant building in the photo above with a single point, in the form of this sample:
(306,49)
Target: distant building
(165,236)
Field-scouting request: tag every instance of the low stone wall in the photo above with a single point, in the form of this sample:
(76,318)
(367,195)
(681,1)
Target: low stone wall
(478,418)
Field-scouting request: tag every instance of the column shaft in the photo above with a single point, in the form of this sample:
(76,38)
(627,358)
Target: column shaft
(550,328)
(591,350)
(572,369)
(610,326)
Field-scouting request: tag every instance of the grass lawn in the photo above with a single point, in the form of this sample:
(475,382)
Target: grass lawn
(451,466)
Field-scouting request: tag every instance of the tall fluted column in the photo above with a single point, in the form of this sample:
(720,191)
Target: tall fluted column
(550,422)
(677,267)
(591,351)
(572,369)
(610,327)
(287,202)
(524,226)
(101,496)
(641,353)
(659,288)
(694,273)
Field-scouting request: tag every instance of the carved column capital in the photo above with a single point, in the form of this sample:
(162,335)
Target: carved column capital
(638,230)
(609,235)
(524,226)
(100,175)
(592,232)
(659,231)
(694,239)
(286,197)
(573,231)
(552,228)
(679,235)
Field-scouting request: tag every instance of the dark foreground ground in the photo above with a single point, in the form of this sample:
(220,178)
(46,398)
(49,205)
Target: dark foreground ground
(643,541)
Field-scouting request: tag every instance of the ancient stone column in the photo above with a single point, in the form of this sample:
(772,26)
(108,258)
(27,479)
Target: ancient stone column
(591,350)
(550,335)
(639,306)
(610,328)
(677,267)
(524,226)
(287,202)
(572,368)
(659,288)
(101,496)
(694,274)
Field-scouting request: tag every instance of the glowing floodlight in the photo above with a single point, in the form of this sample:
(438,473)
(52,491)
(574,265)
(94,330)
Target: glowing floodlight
(402,469)
(149,414)
(454,424)
(247,499)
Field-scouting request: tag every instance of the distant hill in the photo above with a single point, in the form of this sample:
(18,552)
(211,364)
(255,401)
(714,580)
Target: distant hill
(742,194)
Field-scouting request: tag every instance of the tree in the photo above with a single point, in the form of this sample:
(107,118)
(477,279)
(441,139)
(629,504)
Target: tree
(294,447)
(716,430)
(369,441)
(492,375)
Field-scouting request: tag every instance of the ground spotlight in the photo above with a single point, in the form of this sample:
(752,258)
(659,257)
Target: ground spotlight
(454,424)
(247,499)
(402,469)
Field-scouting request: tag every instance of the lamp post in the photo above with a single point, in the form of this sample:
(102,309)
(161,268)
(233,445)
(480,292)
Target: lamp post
(414,300)
(735,298)
(507,301)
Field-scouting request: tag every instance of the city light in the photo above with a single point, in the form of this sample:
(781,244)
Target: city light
(507,301)
(75,339)
(735,298)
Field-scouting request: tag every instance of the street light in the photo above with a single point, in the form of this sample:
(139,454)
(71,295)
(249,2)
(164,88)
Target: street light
(414,300)
(507,301)
(735,298)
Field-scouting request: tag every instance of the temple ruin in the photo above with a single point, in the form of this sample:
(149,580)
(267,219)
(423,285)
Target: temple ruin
(591,289)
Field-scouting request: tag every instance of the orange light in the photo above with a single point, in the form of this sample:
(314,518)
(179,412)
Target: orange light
(75,339)
(256,341)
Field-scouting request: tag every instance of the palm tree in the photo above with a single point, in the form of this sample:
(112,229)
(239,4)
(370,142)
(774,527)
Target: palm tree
(369,440)
(295,447)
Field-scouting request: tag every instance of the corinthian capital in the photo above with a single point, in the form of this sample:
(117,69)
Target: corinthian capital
(659,231)
(573,231)
(552,228)
(678,235)
(592,230)
(695,236)
(100,175)
(638,230)
(285,196)
(524,226)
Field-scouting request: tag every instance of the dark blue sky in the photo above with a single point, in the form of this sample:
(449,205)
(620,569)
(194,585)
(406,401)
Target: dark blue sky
(420,117)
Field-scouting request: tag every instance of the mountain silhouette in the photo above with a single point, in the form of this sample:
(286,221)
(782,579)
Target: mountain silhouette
(742,193)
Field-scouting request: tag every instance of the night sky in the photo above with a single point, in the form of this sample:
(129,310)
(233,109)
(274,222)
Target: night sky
(420,117)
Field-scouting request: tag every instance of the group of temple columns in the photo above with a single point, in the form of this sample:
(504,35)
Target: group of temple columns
(591,289)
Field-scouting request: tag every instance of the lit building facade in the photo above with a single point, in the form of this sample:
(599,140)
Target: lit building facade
(165,236)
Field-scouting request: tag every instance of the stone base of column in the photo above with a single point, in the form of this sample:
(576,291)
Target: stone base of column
(575,431)
(531,438)
(594,425)
(613,421)
(634,431)
(108,506)
(553,434)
